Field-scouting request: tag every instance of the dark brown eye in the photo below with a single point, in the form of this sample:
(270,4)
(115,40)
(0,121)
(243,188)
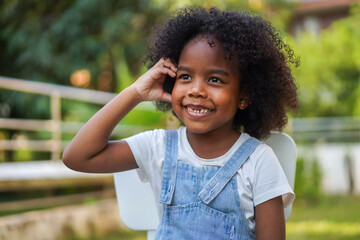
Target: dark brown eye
(185,77)
(215,80)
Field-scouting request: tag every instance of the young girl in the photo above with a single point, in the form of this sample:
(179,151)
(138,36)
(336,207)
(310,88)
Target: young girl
(226,77)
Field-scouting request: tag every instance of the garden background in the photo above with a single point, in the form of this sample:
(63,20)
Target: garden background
(100,46)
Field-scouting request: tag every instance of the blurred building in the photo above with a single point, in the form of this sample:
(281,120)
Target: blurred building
(315,15)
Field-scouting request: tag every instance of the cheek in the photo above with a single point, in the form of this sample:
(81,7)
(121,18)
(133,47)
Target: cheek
(228,99)
(224,96)
(177,91)
(176,97)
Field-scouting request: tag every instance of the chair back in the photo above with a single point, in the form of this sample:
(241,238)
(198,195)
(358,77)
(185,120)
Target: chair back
(285,149)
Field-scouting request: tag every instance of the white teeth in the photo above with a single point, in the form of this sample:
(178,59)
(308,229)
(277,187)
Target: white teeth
(199,111)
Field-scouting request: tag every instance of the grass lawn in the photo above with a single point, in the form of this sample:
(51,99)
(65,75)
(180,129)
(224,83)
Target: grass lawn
(331,218)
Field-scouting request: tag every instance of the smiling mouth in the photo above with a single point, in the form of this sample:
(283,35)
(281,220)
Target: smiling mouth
(198,110)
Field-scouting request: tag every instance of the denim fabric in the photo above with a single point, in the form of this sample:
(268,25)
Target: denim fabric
(202,202)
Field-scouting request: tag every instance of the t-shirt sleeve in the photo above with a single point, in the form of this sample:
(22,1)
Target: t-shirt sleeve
(148,150)
(270,180)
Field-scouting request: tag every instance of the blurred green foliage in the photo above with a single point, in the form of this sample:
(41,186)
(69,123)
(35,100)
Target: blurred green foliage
(49,40)
(308,180)
(329,75)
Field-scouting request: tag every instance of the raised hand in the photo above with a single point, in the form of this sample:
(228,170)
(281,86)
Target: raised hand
(149,87)
(91,150)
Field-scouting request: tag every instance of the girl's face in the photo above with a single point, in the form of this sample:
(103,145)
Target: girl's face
(206,92)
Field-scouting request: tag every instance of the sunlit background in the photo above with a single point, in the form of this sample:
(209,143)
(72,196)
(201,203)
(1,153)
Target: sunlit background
(60,61)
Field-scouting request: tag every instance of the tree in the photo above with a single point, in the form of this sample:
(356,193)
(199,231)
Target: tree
(329,76)
(48,40)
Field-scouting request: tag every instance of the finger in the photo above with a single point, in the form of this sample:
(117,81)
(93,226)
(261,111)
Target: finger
(167,71)
(160,62)
(166,97)
(166,62)
(169,64)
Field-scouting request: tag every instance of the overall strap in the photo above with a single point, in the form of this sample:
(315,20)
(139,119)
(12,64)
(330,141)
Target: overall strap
(226,172)
(169,169)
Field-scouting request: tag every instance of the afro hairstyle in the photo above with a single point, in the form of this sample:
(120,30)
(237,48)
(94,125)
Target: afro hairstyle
(264,62)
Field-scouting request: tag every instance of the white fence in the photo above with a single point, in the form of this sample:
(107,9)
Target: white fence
(55,125)
(339,165)
(329,129)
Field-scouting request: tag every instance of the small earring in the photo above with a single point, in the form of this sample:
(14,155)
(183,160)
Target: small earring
(242,106)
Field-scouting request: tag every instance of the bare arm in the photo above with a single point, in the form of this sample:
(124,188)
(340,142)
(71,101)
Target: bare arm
(90,150)
(270,220)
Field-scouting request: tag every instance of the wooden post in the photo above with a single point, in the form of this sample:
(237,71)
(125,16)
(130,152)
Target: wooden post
(56,131)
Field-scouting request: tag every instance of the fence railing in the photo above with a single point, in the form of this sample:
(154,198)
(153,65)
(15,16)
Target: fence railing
(55,125)
(44,176)
(331,129)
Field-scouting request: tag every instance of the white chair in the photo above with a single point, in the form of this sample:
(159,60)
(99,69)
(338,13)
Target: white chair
(137,204)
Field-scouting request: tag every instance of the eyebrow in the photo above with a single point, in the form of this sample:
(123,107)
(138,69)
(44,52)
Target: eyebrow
(216,71)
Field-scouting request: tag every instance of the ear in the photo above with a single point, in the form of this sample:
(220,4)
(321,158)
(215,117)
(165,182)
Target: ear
(243,104)
(244,100)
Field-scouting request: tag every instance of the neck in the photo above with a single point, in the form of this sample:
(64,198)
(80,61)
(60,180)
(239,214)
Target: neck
(212,144)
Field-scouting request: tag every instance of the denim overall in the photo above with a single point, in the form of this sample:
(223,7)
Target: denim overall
(202,202)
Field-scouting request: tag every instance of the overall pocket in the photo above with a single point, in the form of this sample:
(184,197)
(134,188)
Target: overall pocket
(195,221)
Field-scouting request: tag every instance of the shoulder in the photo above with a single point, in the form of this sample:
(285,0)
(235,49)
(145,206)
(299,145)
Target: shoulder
(264,176)
(263,161)
(260,163)
(262,152)
(150,142)
(148,149)
(156,133)
(147,144)
(147,136)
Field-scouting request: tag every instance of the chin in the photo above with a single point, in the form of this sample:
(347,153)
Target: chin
(198,129)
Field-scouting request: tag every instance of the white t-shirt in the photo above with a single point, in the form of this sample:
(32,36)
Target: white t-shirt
(260,178)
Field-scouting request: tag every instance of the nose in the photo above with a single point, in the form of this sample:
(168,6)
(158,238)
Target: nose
(198,89)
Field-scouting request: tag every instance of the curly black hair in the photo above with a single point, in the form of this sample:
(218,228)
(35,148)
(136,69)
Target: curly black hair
(264,61)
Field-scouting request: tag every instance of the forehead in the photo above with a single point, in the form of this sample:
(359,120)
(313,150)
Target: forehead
(201,51)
